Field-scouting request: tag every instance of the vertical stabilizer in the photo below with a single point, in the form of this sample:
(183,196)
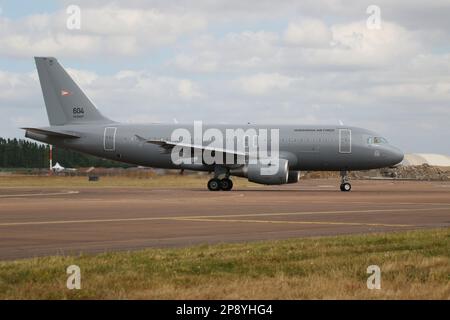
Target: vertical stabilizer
(66,103)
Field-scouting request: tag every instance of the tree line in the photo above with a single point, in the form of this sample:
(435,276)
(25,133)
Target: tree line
(21,153)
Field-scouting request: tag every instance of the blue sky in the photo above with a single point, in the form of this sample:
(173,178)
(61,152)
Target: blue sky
(303,62)
(17,9)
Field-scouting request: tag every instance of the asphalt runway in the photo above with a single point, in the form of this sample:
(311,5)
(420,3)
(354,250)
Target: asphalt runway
(40,222)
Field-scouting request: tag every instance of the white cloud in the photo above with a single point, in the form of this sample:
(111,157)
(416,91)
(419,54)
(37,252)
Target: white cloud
(16,87)
(263,83)
(354,43)
(234,51)
(105,30)
(205,61)
(299,48)
(188,90)
(408,92)
(308,33)
(82,77)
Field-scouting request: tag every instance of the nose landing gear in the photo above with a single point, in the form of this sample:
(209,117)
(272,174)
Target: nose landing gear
(345,184)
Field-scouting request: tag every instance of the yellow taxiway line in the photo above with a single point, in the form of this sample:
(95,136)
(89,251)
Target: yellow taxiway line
(216,217)
(38,194)
(301,222)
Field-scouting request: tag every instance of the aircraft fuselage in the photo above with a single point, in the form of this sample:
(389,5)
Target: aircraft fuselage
(306,147)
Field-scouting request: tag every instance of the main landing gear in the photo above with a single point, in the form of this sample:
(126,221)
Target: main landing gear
(345,184)
(216,184)
(221,180)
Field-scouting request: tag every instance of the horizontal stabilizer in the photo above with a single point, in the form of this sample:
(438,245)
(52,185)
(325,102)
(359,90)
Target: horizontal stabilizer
(54,133)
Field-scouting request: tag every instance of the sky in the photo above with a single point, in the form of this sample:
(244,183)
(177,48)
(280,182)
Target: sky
(385,68)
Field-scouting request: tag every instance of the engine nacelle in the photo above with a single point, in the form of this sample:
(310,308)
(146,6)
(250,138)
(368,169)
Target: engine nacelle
(293,176)
(268,173)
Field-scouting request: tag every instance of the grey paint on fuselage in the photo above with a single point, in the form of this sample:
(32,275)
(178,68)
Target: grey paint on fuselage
(306,147)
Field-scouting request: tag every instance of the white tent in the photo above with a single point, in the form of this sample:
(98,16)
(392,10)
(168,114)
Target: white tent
(57,167)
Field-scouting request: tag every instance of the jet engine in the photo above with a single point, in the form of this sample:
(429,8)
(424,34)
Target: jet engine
(268,173)
(293,176)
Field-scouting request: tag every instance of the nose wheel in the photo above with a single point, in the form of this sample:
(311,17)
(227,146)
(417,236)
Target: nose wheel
(345,184)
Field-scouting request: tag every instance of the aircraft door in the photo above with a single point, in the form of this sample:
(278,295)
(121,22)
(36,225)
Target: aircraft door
(109,139)
(345,141)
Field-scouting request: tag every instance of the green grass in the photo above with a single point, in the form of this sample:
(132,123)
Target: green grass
(414,265)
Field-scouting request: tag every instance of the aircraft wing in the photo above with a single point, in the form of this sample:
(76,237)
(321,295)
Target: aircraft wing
(169,145)
(54,133)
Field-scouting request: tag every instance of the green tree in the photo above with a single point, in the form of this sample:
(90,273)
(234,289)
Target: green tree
(21,153)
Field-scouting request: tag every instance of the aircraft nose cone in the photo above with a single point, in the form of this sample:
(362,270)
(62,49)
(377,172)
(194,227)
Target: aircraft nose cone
(395,156)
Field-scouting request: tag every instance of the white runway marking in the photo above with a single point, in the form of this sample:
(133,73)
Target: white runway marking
(38,194)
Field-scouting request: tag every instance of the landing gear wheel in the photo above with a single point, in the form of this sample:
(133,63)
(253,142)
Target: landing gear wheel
(346,187)
(214,184)
(226,184)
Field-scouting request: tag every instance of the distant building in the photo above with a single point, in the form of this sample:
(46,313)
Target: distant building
(432,159)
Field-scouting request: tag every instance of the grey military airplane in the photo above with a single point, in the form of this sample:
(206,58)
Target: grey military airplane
(76,124)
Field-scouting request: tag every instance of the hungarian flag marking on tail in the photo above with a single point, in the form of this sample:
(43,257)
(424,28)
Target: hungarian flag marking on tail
(65,93)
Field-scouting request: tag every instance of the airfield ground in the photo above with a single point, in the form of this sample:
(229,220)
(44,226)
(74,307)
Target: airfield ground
(42,216)
(414,265)
(45,216)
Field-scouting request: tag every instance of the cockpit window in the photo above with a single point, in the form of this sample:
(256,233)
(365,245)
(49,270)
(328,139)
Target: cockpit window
(376,140)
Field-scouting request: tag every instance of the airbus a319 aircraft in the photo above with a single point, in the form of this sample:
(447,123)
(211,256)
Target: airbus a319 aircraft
(75,123)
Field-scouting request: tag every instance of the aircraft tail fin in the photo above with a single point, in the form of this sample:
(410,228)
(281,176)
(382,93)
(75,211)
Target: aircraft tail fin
(66,103)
